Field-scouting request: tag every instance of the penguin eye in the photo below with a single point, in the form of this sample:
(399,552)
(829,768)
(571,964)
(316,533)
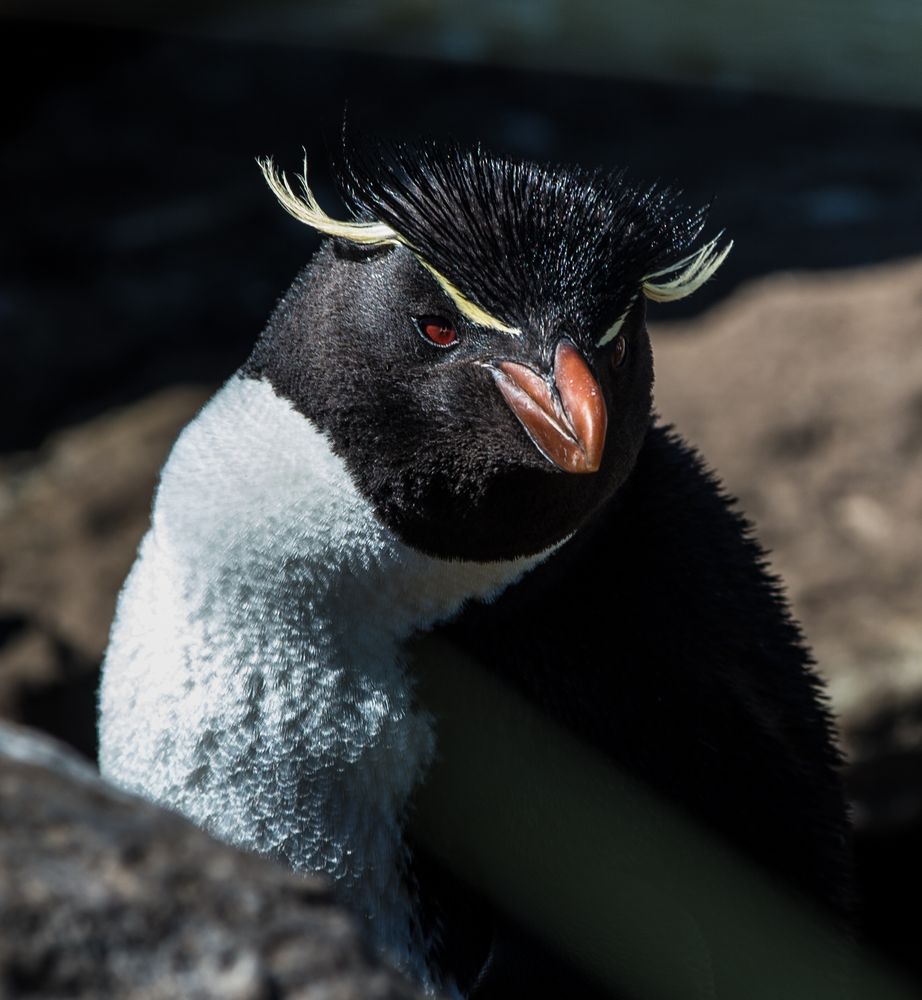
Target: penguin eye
(437,331)
(618,351)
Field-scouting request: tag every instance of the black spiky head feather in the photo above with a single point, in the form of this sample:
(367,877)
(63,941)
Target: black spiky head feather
(534,245)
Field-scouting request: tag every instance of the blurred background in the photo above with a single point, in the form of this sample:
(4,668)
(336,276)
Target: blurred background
(140,254)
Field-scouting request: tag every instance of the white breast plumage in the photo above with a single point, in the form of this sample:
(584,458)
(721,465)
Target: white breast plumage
(253,679)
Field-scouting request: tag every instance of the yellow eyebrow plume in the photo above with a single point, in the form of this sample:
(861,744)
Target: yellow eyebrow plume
(688,274)
(306,209)
(467,308)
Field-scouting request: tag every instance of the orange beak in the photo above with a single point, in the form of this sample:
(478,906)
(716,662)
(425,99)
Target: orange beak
(566,426)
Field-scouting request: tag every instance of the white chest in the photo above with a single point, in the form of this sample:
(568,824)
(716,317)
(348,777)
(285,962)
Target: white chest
(254,679)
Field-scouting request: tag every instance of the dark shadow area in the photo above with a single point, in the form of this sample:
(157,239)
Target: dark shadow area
(66,710)
(63,705)
(890,884)
(140,247)
(11,626)
(888,838)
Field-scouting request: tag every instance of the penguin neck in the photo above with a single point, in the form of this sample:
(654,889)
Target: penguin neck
(255,500)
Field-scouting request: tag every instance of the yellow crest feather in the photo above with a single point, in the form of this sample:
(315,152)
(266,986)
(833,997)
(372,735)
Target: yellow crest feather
(688,274)
(306,209)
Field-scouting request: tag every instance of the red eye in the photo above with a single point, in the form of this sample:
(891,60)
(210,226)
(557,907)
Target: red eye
(437,331)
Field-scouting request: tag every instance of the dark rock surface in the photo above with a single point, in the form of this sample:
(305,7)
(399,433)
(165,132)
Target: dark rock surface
(105,896)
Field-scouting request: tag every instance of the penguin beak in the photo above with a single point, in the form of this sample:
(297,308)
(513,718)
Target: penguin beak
(563,413)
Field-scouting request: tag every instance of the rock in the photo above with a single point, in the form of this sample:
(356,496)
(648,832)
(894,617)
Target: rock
(103,895)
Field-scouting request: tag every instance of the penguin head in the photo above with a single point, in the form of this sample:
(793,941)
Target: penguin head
(473,342)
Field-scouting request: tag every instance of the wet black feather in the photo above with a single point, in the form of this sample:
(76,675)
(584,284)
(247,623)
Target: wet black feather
(531,244)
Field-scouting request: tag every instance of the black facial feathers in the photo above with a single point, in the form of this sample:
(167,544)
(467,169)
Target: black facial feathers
(528,243)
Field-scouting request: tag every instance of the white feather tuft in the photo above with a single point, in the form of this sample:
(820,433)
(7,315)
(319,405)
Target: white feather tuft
(687,274)
(307,210)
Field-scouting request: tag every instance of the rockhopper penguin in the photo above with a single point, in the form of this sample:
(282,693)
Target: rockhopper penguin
(447,425)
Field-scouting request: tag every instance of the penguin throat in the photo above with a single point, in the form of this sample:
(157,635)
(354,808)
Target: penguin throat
(282,516)
(254,679)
